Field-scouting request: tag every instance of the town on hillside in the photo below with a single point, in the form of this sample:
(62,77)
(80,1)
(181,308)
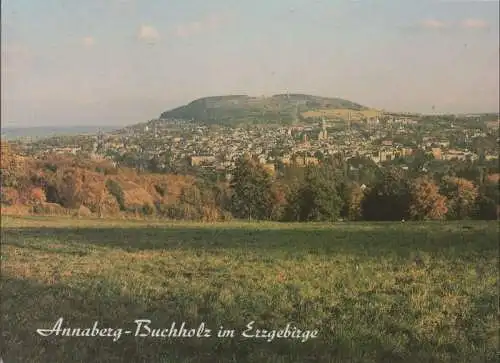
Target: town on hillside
(167,144)
(319,167)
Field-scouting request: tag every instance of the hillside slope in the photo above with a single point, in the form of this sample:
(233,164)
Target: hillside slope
(237,109)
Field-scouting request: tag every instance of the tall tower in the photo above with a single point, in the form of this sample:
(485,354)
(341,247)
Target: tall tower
(297,112)
(323,134)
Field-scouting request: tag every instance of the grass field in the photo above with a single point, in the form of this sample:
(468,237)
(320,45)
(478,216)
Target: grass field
(379,292)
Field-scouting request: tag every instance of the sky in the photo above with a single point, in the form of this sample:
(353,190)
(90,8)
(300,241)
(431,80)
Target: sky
(120,62)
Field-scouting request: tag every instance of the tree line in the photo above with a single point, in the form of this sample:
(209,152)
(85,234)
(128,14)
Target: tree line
(325,192)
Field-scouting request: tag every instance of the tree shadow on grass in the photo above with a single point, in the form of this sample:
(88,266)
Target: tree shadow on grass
(374,240)
(28,305)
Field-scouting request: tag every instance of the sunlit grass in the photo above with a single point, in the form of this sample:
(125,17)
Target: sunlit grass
(379,292)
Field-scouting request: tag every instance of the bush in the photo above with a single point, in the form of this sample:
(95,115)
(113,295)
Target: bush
(109,205)
(9,196)
(182,211)
(116,191)
(36,196)
(50,167)
(51,209)
(488,202)
(148,209)
(210,214)
(161,189)
(226,216)
(110,171)
(82,211)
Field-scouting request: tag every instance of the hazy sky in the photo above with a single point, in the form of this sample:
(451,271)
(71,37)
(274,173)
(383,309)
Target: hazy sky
(117,62)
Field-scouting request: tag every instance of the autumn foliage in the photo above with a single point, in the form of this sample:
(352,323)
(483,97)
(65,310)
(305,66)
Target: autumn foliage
(425,201)
(461,197)
(36,196)
(54,184)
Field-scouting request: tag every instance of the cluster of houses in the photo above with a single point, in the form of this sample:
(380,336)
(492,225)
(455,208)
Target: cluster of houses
(219,147)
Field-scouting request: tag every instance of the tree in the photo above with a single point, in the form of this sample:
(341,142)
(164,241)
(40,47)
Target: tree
(420,160)
(488,201)
(353,196)
(69,185)
(115,189)
(154,165)
(292,174)
(9,196)
(223,197)
(280,192)
(316,198)
(461,197)
(425,200)
(12,167)
(388,199)
(368,171)
(319,155)
(93,195)
(36,196)
(253,194)
(191,195)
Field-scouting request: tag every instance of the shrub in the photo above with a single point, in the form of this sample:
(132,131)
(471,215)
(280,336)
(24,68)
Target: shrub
(210,214)
(148,209)
(161,189)
(226,216)
(9,196)
(36,196)
(116,191)
(82,211)
(182,211)
(52,209)
(110,205)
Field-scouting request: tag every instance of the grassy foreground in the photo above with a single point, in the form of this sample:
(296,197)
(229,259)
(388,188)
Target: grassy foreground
(377,292)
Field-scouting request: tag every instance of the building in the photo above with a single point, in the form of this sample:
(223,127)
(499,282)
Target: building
(492,125)
(454,155)
(302,161)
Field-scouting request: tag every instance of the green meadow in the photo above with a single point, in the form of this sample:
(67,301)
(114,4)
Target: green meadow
(375,292)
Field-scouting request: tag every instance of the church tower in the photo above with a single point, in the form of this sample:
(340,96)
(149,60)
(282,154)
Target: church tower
(323,135)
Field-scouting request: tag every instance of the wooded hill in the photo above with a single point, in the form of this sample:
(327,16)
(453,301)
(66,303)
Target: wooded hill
(243,109)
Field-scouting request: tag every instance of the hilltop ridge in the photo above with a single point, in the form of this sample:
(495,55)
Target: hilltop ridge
(237,109)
